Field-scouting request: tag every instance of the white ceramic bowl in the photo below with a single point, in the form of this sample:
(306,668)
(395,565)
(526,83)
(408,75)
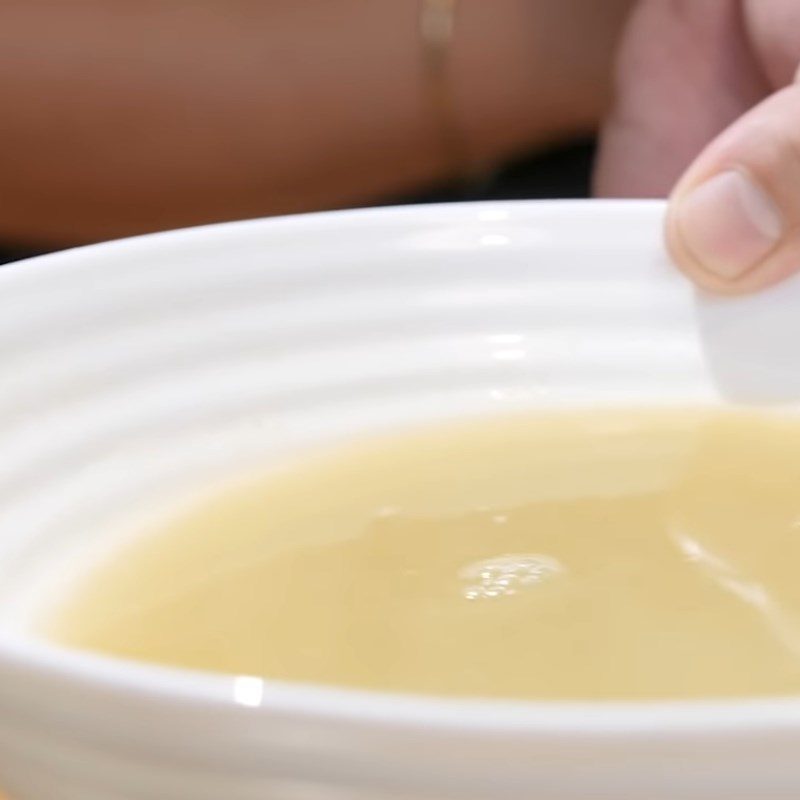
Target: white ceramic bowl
(133,375)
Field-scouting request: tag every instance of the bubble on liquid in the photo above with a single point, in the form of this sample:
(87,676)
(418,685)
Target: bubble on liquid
(507,574)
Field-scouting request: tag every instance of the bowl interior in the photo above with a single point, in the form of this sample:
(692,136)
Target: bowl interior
(137,374)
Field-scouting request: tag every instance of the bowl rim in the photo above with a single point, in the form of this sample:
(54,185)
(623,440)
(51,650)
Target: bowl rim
(54,664)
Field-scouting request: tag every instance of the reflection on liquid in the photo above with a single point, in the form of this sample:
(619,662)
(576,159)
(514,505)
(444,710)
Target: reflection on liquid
(507,574)
(784,626)
(604,555)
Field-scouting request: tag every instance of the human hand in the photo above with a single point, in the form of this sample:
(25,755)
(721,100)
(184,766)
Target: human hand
(714,78)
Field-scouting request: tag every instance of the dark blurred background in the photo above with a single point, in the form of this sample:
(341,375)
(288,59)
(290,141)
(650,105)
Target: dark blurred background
(560,172)
(121,119)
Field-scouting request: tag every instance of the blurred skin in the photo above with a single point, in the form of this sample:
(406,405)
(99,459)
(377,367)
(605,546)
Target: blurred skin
(714,78)
(120,117)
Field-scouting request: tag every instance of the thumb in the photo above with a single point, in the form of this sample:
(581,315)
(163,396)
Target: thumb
(685,71)
(734,218)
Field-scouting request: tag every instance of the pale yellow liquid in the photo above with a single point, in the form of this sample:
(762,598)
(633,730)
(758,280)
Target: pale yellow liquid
(576,555)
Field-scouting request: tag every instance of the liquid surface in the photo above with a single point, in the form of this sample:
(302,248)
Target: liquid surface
(603,555)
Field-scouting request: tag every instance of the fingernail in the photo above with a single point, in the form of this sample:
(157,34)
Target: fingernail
(729,224)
